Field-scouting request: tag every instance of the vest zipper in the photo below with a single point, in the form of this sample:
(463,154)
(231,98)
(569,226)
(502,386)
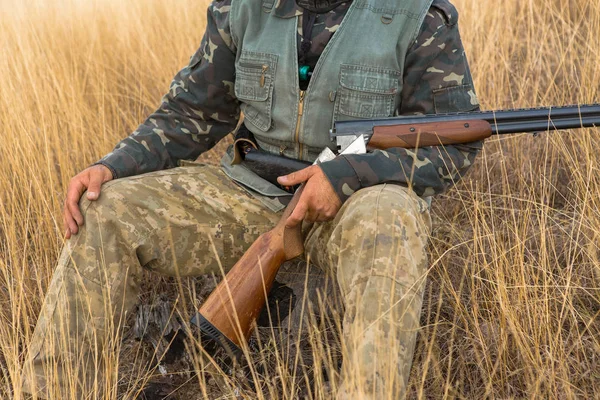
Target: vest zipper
(300,112)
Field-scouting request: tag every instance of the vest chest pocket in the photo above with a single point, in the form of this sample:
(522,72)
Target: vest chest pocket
(255,73)
(366,92)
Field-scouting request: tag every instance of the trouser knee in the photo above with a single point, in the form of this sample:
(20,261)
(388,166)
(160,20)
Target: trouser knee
(382,231)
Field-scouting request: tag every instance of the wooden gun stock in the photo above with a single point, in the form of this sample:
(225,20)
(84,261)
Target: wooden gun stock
(229,312)
(429,134)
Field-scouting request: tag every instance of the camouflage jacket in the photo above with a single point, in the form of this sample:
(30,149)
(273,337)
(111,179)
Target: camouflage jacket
(201,108)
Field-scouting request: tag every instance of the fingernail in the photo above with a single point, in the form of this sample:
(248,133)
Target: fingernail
(92,195)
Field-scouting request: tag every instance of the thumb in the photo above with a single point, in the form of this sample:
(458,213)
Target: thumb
(96,180)
(297,177)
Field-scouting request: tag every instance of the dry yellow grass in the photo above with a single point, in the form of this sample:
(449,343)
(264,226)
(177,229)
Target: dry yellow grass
(513,301)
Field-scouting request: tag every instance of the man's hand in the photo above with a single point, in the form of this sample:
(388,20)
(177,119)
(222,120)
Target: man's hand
(90,179)
(318,202)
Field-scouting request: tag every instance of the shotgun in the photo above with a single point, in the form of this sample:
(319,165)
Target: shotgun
(228,314)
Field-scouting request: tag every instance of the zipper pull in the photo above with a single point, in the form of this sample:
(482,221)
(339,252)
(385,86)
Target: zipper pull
(262,75)
(301,105)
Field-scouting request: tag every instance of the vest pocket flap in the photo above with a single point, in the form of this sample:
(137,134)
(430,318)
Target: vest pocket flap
(254,76)
(369,79)
(252,86)
(366,92)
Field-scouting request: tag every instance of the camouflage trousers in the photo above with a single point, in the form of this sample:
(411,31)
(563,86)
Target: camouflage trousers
(173,222)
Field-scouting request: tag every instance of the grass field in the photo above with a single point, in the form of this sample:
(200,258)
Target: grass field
(512,304)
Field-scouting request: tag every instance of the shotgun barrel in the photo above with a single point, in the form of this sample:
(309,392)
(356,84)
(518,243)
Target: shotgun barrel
(502,121)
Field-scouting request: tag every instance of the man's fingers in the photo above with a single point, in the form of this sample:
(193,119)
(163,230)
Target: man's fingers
(73,195)
(298,214)
(70,223)
(91,179)
(297,177)
(96,180)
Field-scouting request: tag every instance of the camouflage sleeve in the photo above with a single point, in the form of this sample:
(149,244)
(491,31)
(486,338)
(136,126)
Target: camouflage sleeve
(198,111)
(436,80)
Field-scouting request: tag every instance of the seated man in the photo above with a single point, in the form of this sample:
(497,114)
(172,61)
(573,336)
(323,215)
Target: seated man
(292,67)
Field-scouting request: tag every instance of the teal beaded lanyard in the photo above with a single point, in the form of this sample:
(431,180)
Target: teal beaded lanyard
(304,73)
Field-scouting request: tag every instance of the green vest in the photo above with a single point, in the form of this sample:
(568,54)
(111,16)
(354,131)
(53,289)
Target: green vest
(358,75)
